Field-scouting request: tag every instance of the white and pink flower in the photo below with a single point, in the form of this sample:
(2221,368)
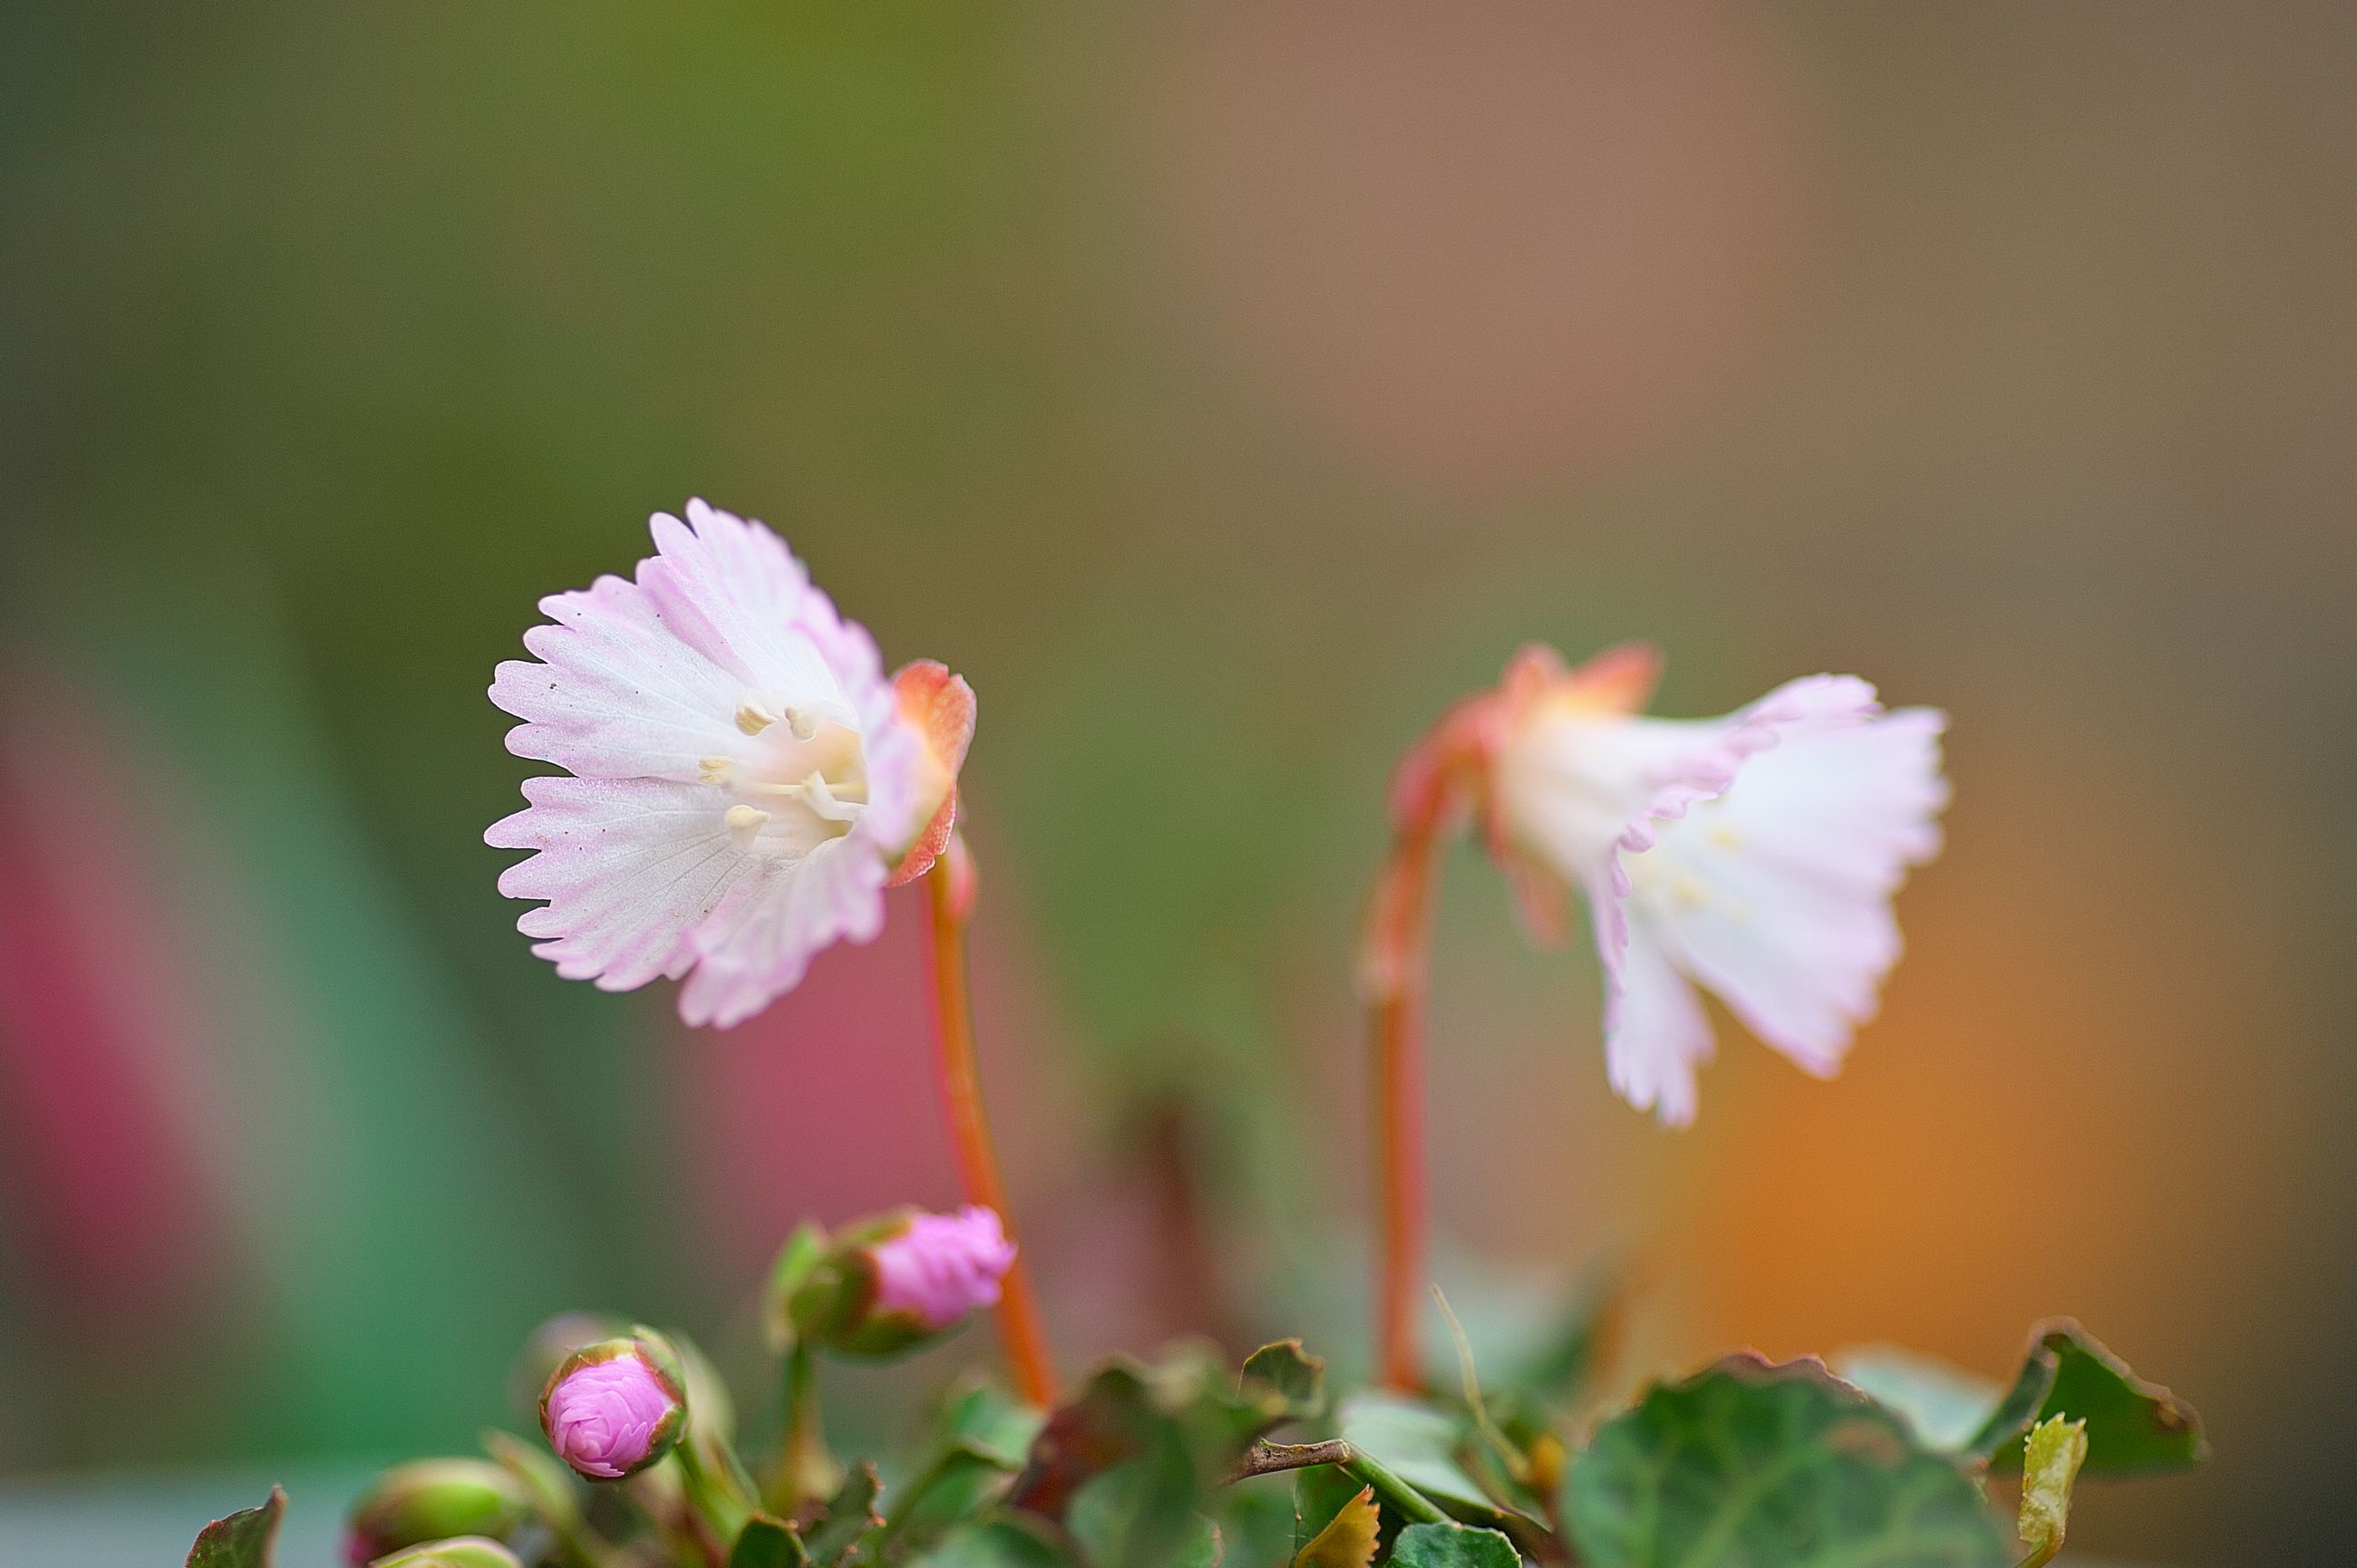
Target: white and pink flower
(746,780)
(1754,854)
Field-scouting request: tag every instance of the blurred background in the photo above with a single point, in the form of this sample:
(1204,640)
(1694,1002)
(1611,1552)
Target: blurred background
(1222,386)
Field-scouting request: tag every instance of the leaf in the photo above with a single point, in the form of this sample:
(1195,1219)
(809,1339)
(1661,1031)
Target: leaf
(1255,1520)
(1292,1378)
(2134,1427)
(850,1514)
(1004,1541)
(1142,1514)
(1453,1546)
(1414,1441)
(1126,1408)
(768,1541)
(1349,1539)
(957,1483)
(2052,1454)
(246,1538)
(1770,1465)
(1104,1424)
(983,1417)
(1420,1445)
(1946,1406)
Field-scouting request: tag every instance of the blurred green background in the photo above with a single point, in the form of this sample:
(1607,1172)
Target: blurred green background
(1222,386)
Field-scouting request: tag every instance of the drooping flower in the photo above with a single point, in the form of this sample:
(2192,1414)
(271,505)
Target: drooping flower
(612,1408)
(745,782)
(1754,854)
(942,1266)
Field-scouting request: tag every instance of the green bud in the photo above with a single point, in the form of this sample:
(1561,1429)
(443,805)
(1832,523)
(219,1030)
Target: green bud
(432,1499)
(462,1552)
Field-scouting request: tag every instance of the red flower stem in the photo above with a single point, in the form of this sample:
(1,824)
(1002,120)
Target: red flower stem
(1402,941)
(1019,1325)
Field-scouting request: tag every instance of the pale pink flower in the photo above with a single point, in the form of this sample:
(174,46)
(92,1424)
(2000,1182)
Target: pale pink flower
(942,1266)
(611,1414)
(1755,854)
(746,780)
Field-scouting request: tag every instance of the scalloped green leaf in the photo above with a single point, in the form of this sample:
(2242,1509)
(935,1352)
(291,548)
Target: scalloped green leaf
(1290,1377)
(2134,1427)
(768,1542)
(1453,1546)
(850,1514)
(246,1538)
(1749,1464)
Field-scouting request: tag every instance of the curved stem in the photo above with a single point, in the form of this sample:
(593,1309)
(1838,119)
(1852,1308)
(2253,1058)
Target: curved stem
(1020,1325)
(1395,1021)
(805,1470)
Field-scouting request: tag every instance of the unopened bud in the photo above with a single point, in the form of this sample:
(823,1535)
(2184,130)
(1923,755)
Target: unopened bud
(433,1499)
(615,1407)
(942,1266)
(463,1552)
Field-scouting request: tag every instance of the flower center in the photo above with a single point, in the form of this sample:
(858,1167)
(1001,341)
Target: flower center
(801,780)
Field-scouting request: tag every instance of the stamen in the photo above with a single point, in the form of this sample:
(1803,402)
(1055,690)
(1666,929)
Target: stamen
(744,821)
(803,723)
(753,716)
(716,769)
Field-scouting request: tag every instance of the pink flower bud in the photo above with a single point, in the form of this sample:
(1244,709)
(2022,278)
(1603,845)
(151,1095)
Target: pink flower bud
(612,1408)
(942,1266)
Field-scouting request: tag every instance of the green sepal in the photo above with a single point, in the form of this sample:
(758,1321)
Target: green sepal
(2134,1427)
(1453,1546)
(797,1260)
(1765,1465)
(768,1542)
(246,1538)
(2051,1456)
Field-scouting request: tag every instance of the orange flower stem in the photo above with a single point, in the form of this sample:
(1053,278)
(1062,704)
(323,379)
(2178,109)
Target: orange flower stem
(1396,1019)
(1019,1323)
